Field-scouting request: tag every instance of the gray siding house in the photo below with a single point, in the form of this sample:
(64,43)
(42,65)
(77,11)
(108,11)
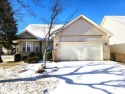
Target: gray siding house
(80,39)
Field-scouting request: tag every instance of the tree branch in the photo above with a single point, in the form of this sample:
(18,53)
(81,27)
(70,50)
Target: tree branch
(26,7)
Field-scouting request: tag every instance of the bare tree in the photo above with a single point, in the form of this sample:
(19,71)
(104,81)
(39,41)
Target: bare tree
(56,8)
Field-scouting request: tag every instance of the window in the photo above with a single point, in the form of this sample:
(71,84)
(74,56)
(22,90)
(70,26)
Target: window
(36,46)
(26,46)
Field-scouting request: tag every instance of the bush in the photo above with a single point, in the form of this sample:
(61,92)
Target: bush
(1,59)
(32,60)
(24,58)
(2,53)
(38,54)
(49,56)
(17,57)
(31,54)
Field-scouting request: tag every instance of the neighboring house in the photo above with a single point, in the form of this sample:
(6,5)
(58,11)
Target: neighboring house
(116,25)
(31,38)
(81,39)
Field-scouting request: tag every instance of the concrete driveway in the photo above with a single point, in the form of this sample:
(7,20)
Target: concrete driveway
(90,77)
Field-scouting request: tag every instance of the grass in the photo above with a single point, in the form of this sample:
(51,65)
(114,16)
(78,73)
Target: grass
(9,59)
(9,64)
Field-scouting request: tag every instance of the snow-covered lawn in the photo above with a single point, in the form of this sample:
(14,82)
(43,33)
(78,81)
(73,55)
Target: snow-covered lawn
(21,78)
(89,77)
(75,77)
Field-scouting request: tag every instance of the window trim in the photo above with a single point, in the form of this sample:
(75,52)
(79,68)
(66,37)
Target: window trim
(25,45)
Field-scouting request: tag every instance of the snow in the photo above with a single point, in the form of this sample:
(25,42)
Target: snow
(7,58)
(89,77)
(83,77)
(23,79)
(34,67)
(40,30)
(31,70)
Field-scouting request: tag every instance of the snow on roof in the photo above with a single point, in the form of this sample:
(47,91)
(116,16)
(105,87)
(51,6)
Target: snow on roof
(39,30)
(120,19)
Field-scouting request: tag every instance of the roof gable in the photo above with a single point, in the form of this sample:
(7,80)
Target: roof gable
(26,35)
(90,22)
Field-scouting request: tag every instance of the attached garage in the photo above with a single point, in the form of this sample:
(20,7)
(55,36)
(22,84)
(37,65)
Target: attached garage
(80,51)
(81,40)
(80,47)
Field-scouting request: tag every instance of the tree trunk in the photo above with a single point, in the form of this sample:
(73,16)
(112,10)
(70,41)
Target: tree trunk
(45,52)
(1,59)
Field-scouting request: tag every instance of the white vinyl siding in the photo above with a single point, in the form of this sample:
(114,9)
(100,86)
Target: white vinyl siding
(118,30)
(26,46)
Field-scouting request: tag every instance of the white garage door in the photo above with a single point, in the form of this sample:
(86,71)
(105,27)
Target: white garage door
(80,51)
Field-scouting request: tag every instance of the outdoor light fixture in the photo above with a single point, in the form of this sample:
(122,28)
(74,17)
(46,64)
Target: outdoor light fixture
(106,44)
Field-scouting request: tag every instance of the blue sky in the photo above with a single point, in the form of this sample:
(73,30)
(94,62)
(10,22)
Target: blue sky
(93,9)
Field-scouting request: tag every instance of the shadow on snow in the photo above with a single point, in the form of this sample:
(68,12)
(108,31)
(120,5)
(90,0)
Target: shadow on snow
(112,70)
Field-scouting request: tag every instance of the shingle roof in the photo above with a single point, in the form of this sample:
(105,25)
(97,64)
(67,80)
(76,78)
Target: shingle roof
(39,30)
